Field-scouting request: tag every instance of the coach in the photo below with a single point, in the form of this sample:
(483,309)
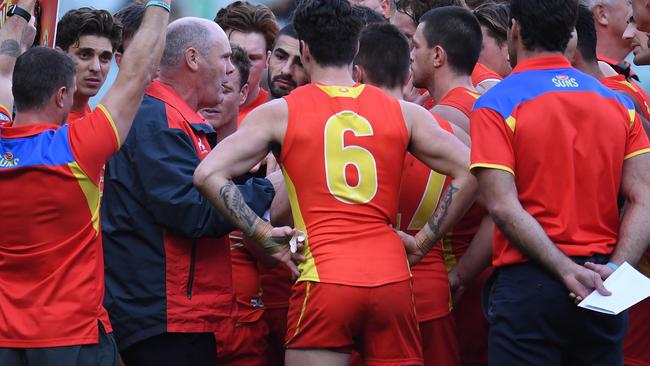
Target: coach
(552,149)
(168,273)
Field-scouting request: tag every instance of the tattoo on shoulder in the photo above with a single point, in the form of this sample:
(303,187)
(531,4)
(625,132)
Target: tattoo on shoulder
(441,213)
(237,207)
(10,47)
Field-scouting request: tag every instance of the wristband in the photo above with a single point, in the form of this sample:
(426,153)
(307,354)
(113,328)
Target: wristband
(15,10)
(159,4)
(612,266)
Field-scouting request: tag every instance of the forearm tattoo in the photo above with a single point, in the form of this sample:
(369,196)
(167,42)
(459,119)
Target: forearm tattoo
(237,208)
(437,219)
(10,47)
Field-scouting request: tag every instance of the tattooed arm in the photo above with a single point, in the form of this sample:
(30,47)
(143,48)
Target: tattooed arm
(15,36)
(262,129)
(445,154)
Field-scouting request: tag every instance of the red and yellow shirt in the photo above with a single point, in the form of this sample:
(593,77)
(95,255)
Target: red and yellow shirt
(629,87)
(342,158)
(462,99)
(545,124)
(420,191)
(51,258)
(482,73)
(262,98)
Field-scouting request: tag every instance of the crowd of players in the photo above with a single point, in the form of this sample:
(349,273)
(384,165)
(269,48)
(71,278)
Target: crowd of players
(426,182)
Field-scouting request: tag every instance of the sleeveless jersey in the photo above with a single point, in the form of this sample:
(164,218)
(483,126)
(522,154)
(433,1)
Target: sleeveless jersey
(419,196)
(342,159)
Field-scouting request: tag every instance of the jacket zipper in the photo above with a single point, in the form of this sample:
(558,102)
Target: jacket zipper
(190,279)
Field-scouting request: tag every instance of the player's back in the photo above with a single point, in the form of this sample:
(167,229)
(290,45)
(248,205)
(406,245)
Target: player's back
(342,157)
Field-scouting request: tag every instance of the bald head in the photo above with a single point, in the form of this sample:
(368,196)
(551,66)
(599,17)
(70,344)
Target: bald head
(189,32)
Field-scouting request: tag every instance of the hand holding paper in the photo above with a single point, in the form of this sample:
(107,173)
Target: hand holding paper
(628,287)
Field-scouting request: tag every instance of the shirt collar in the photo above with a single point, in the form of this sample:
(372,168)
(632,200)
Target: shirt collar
(26,130)
(167,95)
(543,63)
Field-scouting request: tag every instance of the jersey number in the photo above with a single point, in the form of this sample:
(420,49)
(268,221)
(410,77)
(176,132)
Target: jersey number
(338,156)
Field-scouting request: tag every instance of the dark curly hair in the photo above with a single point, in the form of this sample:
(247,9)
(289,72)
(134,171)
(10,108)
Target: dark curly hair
(415,9)
(330,28)
(130,17)
(87,22)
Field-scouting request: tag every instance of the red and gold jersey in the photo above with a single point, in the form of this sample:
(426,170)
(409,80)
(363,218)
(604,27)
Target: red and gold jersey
(262,98)
(342,160)
(51,257)
(462,99)
(419,194)
(482,73)
(629,87)
(544,124)
(5,116)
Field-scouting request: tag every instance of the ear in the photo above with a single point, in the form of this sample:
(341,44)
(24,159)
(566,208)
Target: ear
(59,96)
(385,8)
(438,56)
(268,58)
(118,58)
(358,74)
(601,15)
(514,30)
(304,52)
(192,58)
(243,93)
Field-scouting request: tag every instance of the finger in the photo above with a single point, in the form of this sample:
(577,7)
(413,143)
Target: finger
(294,270)
(600,286)
(255,168)
(297,257)
(572,295)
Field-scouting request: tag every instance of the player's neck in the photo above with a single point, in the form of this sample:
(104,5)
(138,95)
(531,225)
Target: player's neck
(445,83)
(226,130)
(395,92)
(253,94)
(79,102)
(592,69)
(523,55)
(332,75)
(36,117)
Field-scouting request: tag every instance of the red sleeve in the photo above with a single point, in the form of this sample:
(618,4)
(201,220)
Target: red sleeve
(637,140)
(491,141)
(94,140)
(5,115)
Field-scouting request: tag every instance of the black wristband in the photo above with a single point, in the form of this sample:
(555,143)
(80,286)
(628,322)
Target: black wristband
(15,10)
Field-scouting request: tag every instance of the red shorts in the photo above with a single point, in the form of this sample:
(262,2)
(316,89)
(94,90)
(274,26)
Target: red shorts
(439,342)
(379,322)
(276,320)
(242,344)
(636,346)
(471,325)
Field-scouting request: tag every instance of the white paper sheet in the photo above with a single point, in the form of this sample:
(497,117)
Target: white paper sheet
(628,287)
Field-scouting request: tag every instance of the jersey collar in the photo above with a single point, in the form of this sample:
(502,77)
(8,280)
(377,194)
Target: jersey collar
(26,130)
(543,63)
(167,95)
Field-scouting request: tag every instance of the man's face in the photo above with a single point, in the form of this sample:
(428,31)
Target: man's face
(214,65)
(641,14)
(639,41)
(494,55)
(93,57)
(285,68)
(405,24)
(376,5)
(618,13)
(226,112)
(255,46)
(420,59)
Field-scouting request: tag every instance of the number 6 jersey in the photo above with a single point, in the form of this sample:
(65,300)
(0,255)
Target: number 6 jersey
(342,160)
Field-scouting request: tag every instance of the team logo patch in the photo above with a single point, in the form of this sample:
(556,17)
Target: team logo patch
(9,156)
(8,160)
(344,89)
(564,81)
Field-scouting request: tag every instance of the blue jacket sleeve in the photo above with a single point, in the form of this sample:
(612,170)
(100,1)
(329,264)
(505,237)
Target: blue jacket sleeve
(165,161)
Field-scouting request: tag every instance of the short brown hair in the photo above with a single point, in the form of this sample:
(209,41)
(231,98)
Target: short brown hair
(245,17)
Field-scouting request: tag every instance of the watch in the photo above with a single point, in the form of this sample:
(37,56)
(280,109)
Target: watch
(15,10)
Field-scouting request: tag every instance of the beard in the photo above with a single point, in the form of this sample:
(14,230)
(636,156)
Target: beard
(281,92)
